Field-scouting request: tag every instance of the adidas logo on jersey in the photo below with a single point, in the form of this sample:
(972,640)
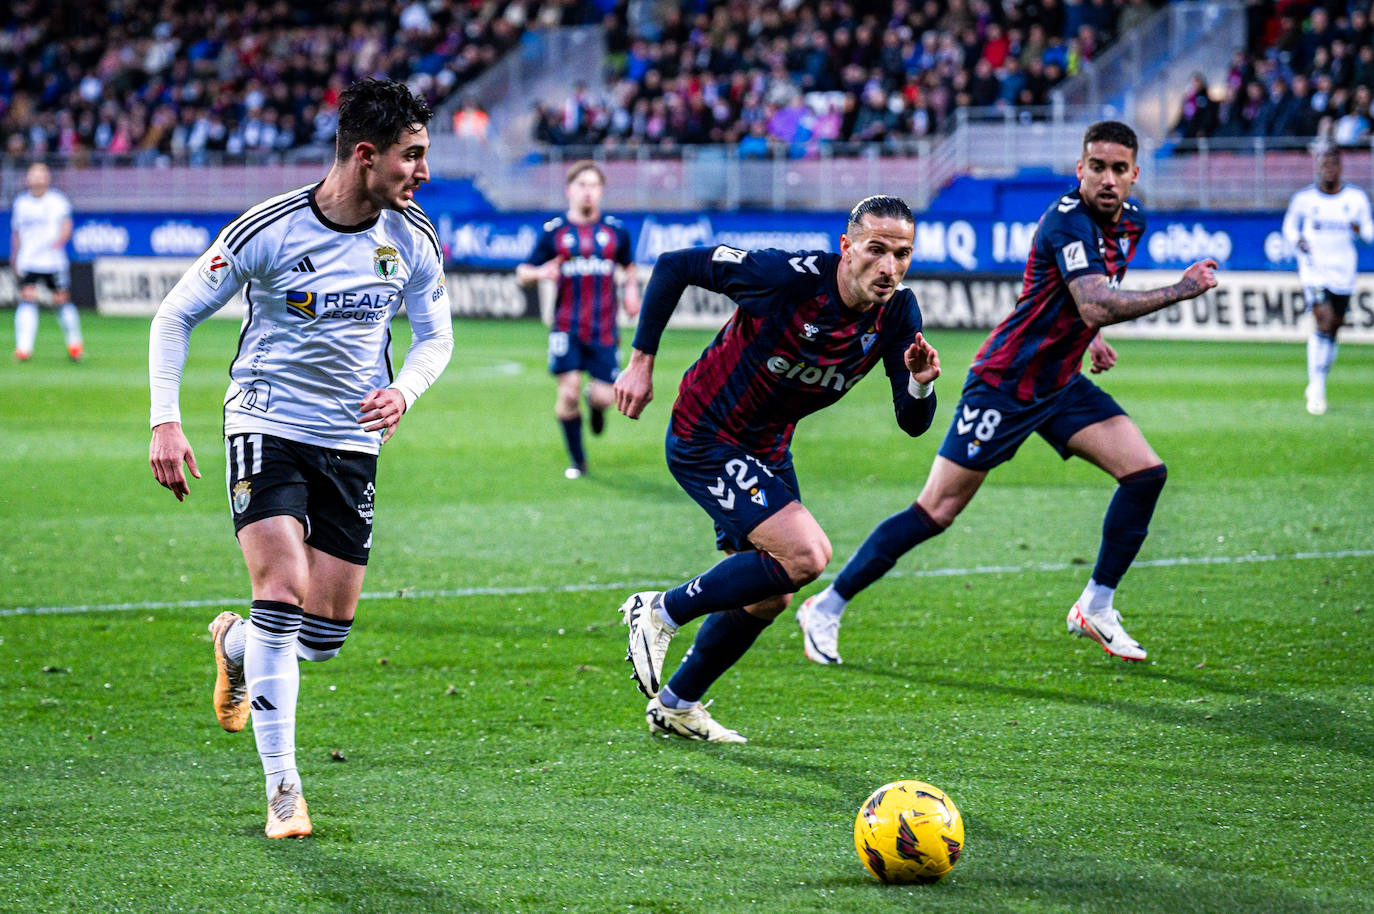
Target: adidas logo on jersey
(812,375)
(305,266)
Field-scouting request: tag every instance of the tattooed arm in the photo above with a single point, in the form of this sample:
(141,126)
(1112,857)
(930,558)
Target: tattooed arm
(1100,304)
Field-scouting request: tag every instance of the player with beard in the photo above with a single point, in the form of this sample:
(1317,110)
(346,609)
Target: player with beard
(810,324)
(1027,377)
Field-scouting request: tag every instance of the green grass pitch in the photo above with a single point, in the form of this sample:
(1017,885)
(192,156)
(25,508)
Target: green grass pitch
(479,746)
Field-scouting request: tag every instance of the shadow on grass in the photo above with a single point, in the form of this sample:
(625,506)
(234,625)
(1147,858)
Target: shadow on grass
(1005,871)
(340,878)
(1270,715)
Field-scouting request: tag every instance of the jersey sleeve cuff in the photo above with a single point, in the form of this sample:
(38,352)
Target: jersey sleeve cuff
(408,395)
(917,389)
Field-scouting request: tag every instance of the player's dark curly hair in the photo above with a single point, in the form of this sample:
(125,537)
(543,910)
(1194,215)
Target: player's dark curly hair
(879,206)
(1111,132)
(377,111)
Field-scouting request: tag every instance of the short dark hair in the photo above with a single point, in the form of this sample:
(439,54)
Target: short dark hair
(582,165)
(377,111)
(879,206)
(1111,132)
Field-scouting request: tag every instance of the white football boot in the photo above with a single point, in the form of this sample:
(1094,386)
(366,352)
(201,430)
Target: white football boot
(820,633)
(694,722)
(1104,627)
(649,637)
(1316,400)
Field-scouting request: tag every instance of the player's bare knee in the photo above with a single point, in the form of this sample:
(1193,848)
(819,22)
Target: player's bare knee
(807,564)
(567,408)
(601,397)
(770,608)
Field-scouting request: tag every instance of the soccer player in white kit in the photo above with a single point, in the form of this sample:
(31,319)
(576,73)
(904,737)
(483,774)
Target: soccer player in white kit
(1322,222)
(40,226)
(311,399)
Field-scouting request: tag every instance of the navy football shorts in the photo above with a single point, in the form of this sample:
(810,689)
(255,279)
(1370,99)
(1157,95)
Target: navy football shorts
(737,489)
(567,353)
(330,492)
(989,425)
(1315,295)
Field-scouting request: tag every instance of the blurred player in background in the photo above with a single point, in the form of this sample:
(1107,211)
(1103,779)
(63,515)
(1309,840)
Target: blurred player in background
(809,325)
(580,251)
(40,226)
(310,402)
(1322,222)
(1027,377)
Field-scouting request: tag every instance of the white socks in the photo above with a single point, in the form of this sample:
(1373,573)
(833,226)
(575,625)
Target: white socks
(25,327)
(1321,355)
(829,603)
(664,617)
(1096,597)
(235,640)
(70,320)
(318,640)
(273,677)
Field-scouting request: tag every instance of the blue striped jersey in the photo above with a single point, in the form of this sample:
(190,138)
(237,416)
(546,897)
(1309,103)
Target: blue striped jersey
(791,348)
(586,305)
(1039,347)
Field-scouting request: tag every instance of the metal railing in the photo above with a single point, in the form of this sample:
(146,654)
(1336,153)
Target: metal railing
(1252,173)
(1145,73)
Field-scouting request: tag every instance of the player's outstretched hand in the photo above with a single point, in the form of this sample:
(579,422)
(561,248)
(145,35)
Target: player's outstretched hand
(634,389)
(1199,277)
(922,360)
(168,450)
(1103,355)
(382,410)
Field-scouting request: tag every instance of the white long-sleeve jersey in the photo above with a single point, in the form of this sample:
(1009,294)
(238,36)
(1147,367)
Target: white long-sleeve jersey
(1329,224)
(37,222)
(316,336)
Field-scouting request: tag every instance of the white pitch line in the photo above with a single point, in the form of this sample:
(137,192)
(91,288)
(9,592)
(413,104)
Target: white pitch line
(413,594)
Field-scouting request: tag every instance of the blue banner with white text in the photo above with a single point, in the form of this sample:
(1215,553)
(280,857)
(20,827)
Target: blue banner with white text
(1240,241)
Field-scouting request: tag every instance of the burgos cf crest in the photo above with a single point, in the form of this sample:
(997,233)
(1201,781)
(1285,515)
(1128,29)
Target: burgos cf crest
(386,262)
(241,496)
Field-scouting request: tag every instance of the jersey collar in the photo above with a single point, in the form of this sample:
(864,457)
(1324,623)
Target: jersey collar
(334,226)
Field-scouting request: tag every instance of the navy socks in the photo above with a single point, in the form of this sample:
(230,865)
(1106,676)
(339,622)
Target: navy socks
(888,542)
(1127,523)
(722,639)
(738,580)
(572,434)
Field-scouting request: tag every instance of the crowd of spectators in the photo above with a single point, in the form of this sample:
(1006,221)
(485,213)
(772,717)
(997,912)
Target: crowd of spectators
(1308,74)
(181,80)
(766,75)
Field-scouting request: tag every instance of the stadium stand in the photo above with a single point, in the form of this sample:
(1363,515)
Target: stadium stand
(1308,74)
(761,74)
(181,81)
